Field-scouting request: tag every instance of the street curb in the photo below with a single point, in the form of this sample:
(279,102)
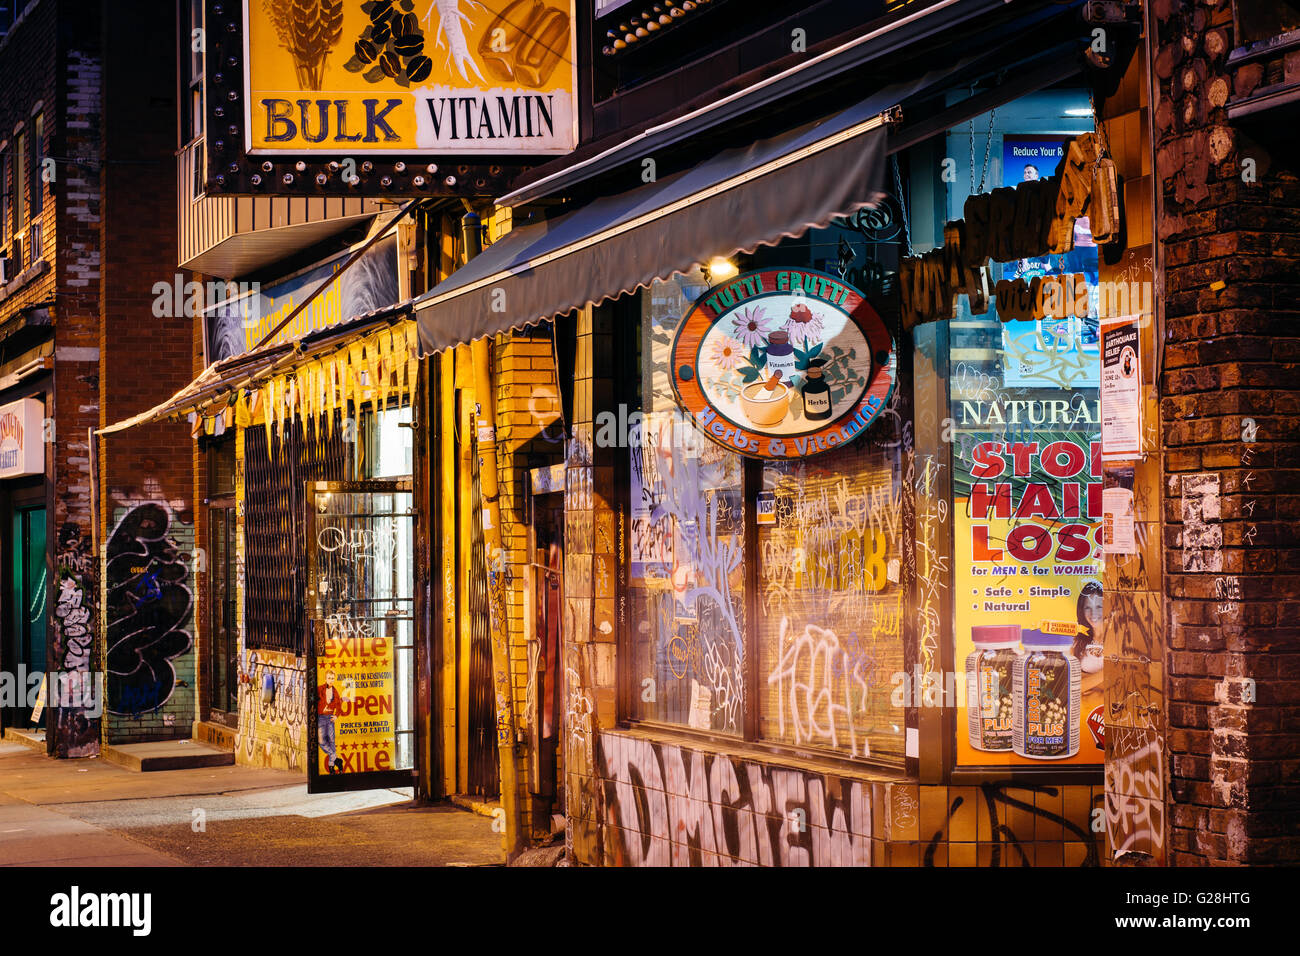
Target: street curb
(484,808)
(31,739)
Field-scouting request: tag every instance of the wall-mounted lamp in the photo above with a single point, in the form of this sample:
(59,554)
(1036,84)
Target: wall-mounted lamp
(720,270)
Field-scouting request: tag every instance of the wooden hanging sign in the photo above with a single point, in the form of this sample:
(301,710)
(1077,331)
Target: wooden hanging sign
(783,363)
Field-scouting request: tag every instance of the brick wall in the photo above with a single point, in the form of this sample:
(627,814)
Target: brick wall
(1230,399)
(147,478)
(57,59)
(527,401)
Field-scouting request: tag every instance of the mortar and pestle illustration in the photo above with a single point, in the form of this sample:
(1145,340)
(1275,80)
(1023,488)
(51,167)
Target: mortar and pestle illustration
(766,403)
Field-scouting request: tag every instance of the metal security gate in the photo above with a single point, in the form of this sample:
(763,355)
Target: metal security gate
(361,659)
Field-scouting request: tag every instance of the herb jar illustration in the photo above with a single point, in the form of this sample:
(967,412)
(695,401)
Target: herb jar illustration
(780,356)
(1046,689)
(988,685)
(816,394)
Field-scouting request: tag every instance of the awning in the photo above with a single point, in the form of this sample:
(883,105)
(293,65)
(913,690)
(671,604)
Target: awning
(736,201)
(222,379)
(851,58)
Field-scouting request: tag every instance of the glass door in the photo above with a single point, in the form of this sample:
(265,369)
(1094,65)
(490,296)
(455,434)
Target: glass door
(361,658)
(28,588)
(223,686)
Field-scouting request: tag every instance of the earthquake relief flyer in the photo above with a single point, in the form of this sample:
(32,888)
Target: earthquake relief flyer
(1028,571)
(356,731)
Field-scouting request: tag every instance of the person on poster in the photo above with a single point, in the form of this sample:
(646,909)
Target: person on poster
(1029,269)
(1087,647)
(329,700)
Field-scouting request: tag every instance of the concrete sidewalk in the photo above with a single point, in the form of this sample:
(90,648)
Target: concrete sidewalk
(92,813)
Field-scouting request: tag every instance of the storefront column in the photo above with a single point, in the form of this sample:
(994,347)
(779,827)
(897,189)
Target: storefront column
(485,396)
(590,566)
(1228,401)
(1134,675)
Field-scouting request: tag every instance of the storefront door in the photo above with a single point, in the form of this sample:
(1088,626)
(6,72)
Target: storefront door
(27,593)
(546,703)
(223,686)
(361,658)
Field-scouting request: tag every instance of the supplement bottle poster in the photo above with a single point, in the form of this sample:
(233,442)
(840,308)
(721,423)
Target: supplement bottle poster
(1027,520)
(356,731)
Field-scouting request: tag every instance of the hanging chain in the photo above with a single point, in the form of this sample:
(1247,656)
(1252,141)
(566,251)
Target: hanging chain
(902,205)
(988,145)
(972,153)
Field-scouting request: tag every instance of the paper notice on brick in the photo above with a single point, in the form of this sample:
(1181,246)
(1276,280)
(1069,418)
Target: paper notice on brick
(1121,389)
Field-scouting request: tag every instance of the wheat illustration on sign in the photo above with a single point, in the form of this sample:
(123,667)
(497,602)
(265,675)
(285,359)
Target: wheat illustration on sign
(309,30)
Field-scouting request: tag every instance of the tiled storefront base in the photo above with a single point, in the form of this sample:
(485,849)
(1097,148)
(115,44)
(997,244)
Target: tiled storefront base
(272,733)
(664,803)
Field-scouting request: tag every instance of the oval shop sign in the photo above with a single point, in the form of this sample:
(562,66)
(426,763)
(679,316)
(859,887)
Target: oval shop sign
(783,363)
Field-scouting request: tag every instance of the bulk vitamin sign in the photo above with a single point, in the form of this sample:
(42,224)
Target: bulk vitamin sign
(783,363)
(411,77)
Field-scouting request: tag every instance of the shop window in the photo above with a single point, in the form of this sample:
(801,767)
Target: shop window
(1258,20)
(830,622)
(766,599)
(1023,431)
(687,524)
(221,467)
(387,452)
(275,476)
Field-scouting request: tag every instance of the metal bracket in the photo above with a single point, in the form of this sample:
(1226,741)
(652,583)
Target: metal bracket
(1111,11)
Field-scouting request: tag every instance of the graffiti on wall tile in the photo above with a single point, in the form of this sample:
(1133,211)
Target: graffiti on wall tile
(668,806)
(272,733)
(1135,791)
(1011,836)
(148,608)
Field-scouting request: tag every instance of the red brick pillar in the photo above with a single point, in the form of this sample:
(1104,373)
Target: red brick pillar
(1230,399)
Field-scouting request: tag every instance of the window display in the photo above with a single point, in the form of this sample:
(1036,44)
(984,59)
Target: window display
(1027,479)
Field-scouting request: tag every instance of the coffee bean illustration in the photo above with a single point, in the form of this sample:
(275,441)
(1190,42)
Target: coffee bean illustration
(418,68)
(408,45)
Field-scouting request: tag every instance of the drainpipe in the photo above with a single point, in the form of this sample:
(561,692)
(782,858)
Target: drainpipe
(489,492)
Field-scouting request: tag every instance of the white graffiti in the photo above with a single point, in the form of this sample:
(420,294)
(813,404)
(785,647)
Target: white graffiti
(676,807)
(375,543)
(1135,806)
(74,623)
(819,688)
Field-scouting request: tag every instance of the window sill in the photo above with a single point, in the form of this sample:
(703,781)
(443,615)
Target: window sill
(759,752)
(14,285)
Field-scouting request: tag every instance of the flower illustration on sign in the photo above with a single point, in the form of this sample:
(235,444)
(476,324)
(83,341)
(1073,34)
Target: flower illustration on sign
(804,325)
(751,326)
(726,353)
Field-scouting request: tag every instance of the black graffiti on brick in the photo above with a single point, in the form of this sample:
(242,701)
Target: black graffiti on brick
(148,608)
